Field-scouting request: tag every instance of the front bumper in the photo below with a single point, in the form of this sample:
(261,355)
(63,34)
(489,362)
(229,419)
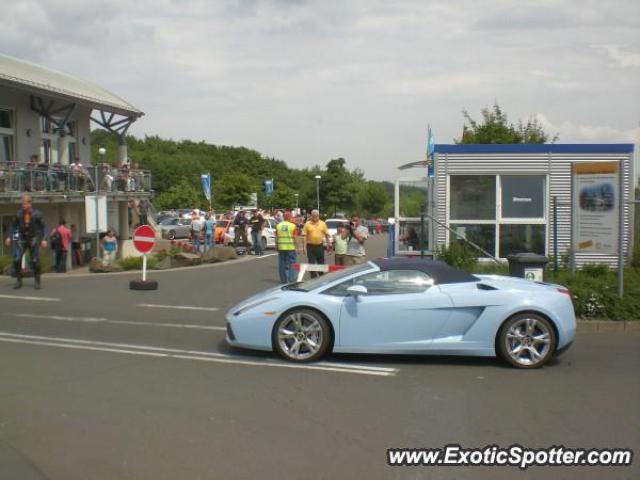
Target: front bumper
(249,331)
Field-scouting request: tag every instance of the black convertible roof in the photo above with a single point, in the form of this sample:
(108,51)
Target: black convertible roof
(439,271)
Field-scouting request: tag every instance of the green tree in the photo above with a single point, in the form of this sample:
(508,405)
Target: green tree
(495,128)
(338,189)
(182,195)
(282,197)
(373,199)
(230,190)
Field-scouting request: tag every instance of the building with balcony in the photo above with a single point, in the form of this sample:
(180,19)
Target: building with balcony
(45,147)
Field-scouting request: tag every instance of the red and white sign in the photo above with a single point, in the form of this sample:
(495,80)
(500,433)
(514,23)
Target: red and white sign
(144,238)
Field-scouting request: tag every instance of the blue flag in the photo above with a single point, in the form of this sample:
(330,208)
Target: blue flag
(268,187)
(431,150)
(205,181)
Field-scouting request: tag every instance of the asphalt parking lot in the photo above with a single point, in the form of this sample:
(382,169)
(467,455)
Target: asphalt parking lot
(99,382)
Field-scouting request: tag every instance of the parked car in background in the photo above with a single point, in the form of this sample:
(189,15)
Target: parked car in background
(174,228)
(227,233)
(332,224)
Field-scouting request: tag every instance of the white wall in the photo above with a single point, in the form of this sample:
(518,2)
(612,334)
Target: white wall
(26,119)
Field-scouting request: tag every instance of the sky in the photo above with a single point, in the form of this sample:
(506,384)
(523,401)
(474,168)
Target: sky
(311,80)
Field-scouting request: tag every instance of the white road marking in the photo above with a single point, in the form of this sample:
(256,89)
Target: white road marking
(185,354)
(115,322)
(178,307)
(265,256)
(36,299)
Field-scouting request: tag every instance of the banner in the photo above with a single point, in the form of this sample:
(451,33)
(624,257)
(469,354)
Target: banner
(205,181)
(431,149)
(90,213)
(268,187)
(596,206)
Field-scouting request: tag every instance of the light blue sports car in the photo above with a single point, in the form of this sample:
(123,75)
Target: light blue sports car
(408,306)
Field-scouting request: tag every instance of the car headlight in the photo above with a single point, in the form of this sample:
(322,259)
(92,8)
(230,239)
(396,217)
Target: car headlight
(253,305)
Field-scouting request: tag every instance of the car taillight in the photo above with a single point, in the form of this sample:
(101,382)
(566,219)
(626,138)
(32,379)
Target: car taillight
(565,291)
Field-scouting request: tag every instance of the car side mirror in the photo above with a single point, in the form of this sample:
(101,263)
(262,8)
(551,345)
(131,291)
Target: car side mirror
(355,290)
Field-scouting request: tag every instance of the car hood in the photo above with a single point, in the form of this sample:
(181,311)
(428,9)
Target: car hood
(271,292)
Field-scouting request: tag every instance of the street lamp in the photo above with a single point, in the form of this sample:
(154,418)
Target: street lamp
(318,177)
(101,151)
(296,195)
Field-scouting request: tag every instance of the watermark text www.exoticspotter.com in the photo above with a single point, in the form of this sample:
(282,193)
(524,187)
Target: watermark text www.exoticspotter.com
(513,456)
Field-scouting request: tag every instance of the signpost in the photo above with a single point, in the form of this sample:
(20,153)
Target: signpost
(144,238)
(598,222)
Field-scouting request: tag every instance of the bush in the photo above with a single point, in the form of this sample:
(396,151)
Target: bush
(595,292)
(4,261)
(491,268)
(135,263)
(459,255)
(595,269)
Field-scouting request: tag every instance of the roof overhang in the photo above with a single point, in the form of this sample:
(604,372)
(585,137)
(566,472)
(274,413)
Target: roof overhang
(41,81)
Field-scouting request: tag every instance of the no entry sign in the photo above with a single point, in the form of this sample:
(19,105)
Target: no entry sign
(144,238)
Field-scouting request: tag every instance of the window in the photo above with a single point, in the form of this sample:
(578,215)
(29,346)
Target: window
(412,198)
(522,196)
(50,151)
(522,238)
(483,235)
(502,214)
(409,236)
(6,136)
(473,197)
(392,282)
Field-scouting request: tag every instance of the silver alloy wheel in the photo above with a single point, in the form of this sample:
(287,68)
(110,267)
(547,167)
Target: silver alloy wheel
(300,335)
(528,341)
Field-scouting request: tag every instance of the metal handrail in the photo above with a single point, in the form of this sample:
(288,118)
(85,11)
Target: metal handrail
(27,177)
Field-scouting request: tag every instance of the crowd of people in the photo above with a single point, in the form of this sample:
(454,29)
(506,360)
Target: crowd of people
(347,244)
(304,235)
(37,175)
(295,235)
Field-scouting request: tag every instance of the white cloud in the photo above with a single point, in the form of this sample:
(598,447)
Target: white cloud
(571,132)
(306,81)
(619,56)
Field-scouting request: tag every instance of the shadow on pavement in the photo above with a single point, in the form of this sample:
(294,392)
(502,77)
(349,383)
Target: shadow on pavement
(384,359)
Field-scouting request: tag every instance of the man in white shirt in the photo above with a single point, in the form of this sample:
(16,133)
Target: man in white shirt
(356,234)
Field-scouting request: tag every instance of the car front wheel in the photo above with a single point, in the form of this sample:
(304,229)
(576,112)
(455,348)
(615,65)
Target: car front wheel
(301,335)
(527,340)
(171,235)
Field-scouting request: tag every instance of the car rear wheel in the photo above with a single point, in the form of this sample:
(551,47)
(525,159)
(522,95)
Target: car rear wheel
(263,243)
(527,340)
(301,335)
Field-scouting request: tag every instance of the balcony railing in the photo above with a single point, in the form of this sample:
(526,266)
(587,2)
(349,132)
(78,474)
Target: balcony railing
(20,177)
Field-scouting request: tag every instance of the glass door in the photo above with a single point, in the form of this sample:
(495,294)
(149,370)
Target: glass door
(411,200)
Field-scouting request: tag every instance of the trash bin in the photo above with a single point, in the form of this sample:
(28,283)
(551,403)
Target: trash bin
(529,266)
(86,249)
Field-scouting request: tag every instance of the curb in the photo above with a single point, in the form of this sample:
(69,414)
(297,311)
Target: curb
(67,275)
(606,326)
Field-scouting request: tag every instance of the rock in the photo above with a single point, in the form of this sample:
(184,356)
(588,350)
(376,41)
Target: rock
(164,264)
(96,266)
(219,254)
(184,259)
(162,244)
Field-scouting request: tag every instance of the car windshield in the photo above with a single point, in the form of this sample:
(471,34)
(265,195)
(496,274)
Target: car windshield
(318,282)
(333,224)
(169,221)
